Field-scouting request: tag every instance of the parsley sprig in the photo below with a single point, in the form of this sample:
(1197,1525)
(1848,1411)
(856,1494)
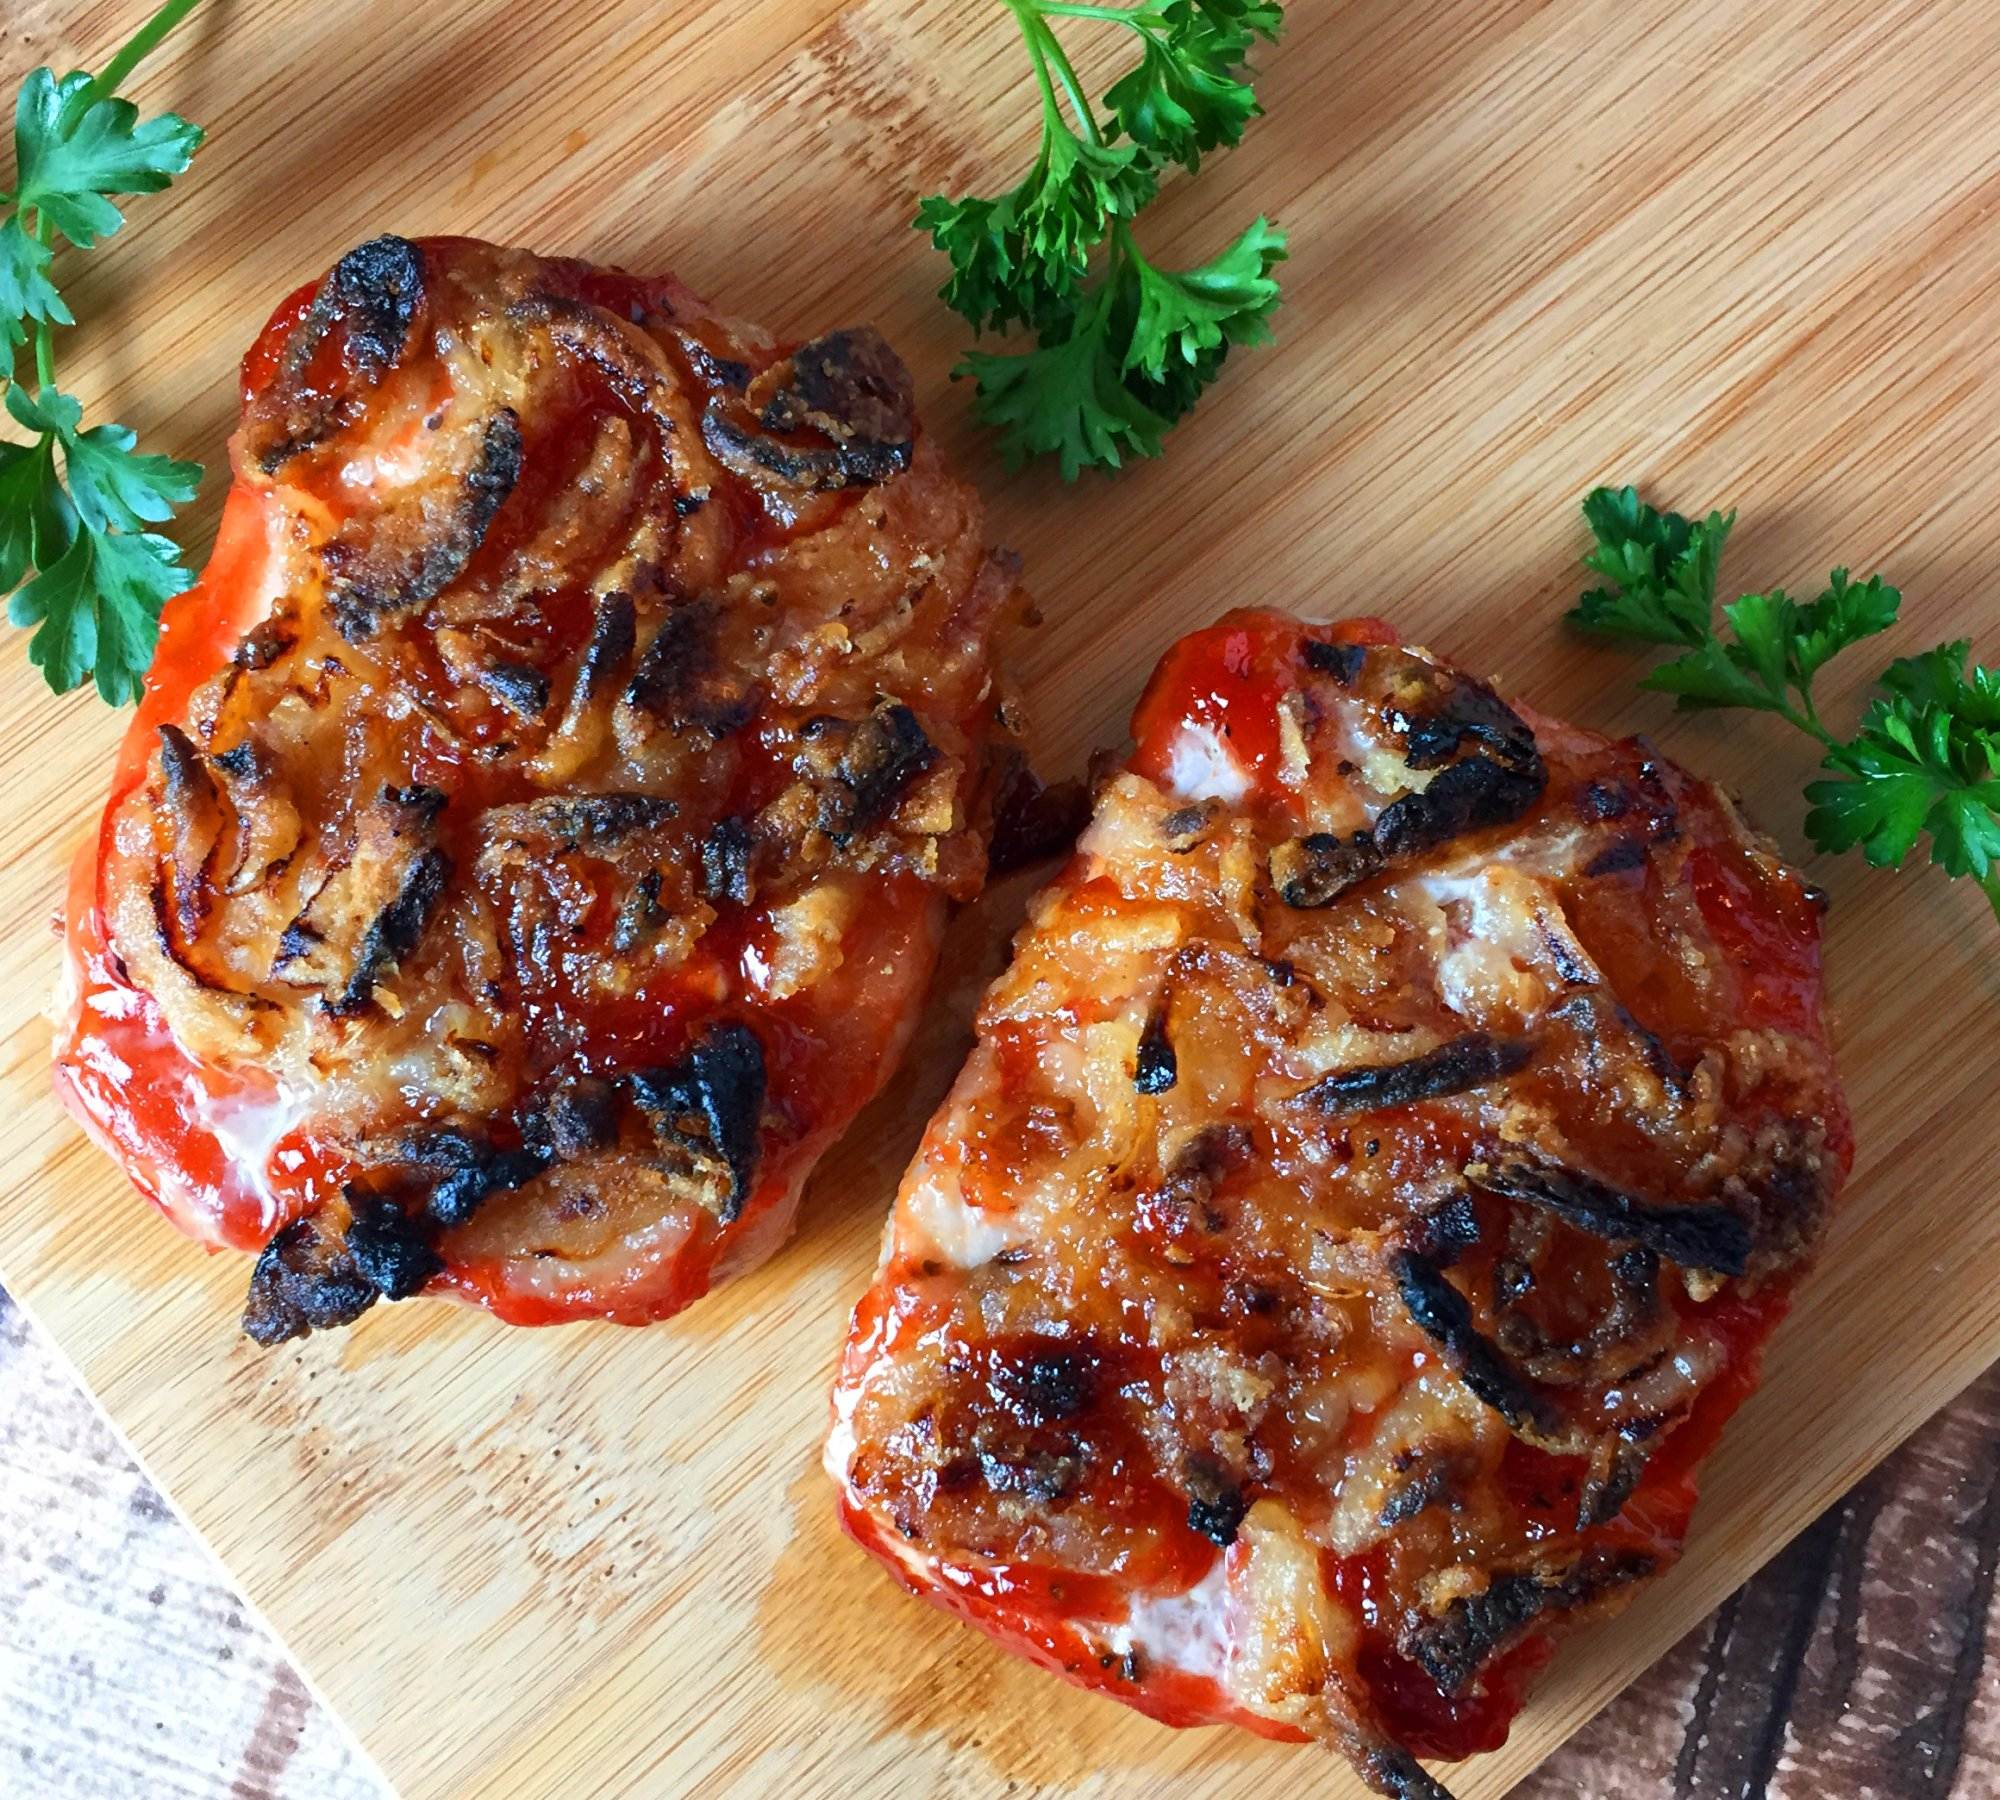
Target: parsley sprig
(1925,761)
(76,502)
(1122,354)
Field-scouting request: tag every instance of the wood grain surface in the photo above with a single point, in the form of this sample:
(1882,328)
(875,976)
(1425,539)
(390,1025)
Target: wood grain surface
(1743,255)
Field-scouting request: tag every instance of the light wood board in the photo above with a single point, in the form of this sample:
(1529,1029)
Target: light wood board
(1742,254)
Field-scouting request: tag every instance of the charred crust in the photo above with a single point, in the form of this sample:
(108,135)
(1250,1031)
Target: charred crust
(264,643)
(613,634)
(860,767)
(1317,869)
(681,681)
(1444,1233)
(1453,1647)
(712,1103)
(1215,1503)
(1468,1062)
(1398,1774)
(568,822)
(723,372)
(851,386)
(1434,1480)
(640,914)
(581,1116)
(749,453)
(390,1248)
(395,930)
(1186,826)
(465,1169)
(1441,1312)
(1616,857)
(1464,796)
(304,1280)
(1472,713)
(376,577)
(726,856)
(1155,1069)
(1341,661)
(376,289)
(1712,1239)
(520,687)
(1032,822)
(1047,1387)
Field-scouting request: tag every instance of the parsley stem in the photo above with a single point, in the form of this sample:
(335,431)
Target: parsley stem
(1035,28)
(1076,9)
(45,337)
(1989,885)
(137,48)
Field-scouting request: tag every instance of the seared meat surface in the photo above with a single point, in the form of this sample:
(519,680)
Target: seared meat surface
(534,842)
(1373,1182)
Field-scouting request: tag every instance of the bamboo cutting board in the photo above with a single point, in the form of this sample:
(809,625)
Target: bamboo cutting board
(1743,254)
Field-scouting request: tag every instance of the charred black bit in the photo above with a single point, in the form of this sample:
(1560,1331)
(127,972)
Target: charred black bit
(1603,800)
(304,1280)
(712,1102)
(1198,1169)
(568,822)
(1031,822)
(1317,869)
(265,642)
(688,504)
(1341,661)
(389,1248)
(1451,1648)
(849,384)
(1215,1503)
(467,1169)
(1712,1238)
(1042,1474)
(640,914)
(375,570)
(1468,1062)
(1614,1474)
(1185,826)
(861,767)
(1434,1479)
(395,931)
(1445,1232)
(1465,796)
(1399,1775)
(1616,857)
(1471,710)
(1445,1317)
(726,854)
(612,635)
(749,453)
(681,680)
(1047,1387)
(717,371)
(581,1116)
(521,688)
(376,289)
(1156,1068)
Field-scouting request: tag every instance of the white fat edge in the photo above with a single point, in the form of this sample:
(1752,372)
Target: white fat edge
(1201,766)
(1510,946)
(934,1213)
(1188,1632)
(249,1129)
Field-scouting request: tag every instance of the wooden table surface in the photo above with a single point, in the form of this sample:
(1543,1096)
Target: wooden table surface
(1862,1661)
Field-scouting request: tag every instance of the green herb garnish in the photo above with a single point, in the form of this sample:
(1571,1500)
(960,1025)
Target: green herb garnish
(1925,762)
(1121,354)
(76,553)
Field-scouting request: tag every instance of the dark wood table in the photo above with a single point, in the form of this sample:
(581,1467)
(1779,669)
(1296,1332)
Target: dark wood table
(1859,1665)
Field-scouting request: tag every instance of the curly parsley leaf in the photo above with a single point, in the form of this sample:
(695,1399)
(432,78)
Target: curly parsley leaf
(1925,763)
(75,502)
(1123,349)
(1659,570)
(1188,95)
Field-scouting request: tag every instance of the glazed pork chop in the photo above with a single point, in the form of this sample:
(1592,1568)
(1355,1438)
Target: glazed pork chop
(1400,1127)
(533,844)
